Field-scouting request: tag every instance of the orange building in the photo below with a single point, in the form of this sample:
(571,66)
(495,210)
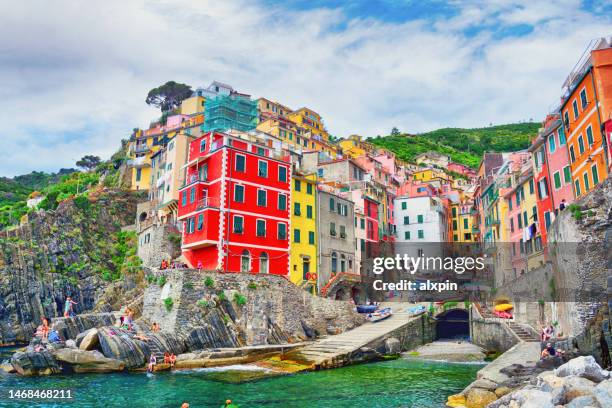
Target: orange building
(585,106)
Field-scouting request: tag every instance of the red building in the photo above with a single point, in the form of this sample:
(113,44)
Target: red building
(370,209)
(235,206)
(541,178)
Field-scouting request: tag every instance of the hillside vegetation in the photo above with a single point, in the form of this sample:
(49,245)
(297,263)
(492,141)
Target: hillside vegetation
(462,145)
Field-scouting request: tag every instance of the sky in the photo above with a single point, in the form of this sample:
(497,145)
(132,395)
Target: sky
(74,75)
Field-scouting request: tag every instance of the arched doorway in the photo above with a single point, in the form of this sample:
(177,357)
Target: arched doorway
(263,262)
(453,324)
(245,261)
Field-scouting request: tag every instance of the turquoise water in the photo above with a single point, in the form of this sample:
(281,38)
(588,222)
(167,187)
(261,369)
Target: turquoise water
(397,383)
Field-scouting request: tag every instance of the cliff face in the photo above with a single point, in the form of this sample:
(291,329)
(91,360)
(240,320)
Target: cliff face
(76,250)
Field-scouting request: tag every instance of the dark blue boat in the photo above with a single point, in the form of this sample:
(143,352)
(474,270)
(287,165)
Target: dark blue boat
(366,308)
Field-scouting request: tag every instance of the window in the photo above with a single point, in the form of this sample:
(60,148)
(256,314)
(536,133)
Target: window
(567,175)
(342,231)
(334,262)
(561,136)
(282,174)
(281,231)
(510,204)
(362,222)
(192,194)
(572,154)
(530,186)
(297,185)
(519,221)
(455,225)
(589,133)
(238,193)
(575,109)
(543,188)
(200,221)
(420,219)
(138,174)
(296,235)
(566,118)
(203,172)
(534,212)
(467,236)
(332,229)
(525,219)
(262,198)
(583,99)
(595,175)
(282,202)
(407,235)
(547,220)
(585,177)
(557,180)
(184,199)
(296,209)
(421,234)
(511,224)
(332,204)
(238,224)
(551,143)
(309,188)
(260,228)
(455,237)
(580,144)
(262,169)
(406,220)
(202,145)
(311,237)
(577,185)
(454,211)
(240,163)
(404,205)
(363,245)
(465,223)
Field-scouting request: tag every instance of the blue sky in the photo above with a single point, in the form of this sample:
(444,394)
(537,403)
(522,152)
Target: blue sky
(75,81)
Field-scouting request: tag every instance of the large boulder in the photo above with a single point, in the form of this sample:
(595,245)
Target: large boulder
(120,345)
(90,340)
(603,393)
(88,361)
(582,402)
(572,387)
(33,362)
(479,398)
(584,366)
(70,327)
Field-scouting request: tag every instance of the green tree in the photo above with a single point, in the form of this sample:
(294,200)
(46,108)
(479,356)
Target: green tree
(168,96)
(89,162)
(395,131)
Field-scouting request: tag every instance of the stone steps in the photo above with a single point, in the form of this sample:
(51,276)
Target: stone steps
(522,333)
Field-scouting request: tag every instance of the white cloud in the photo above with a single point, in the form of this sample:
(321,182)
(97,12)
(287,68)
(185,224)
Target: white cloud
(74,78)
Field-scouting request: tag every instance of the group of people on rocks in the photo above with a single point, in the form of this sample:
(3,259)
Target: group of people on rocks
(172,265)
(169,358)
(126,321)
(548,332)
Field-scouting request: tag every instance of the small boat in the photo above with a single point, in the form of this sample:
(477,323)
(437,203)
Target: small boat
(366,308)
(379,314)
(417,310)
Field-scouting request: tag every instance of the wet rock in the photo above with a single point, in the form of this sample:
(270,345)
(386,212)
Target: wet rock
(392,346)
(31,362)
(90,340)
(584,366)
(479,398)
(119,344)
(88,361)
(603,393)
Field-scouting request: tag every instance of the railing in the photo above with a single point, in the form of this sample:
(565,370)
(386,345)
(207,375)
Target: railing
(351,277)
(138,162)
(140,148)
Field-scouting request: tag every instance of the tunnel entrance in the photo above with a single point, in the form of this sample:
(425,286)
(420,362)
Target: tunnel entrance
(453,324)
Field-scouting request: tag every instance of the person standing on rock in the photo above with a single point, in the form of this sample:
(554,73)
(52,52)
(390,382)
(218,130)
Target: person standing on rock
(68,312)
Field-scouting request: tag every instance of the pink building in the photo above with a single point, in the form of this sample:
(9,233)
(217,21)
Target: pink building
(558,162)
(461,169)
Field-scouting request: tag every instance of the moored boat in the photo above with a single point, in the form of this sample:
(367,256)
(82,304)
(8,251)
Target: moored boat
(366,308)
(380,314)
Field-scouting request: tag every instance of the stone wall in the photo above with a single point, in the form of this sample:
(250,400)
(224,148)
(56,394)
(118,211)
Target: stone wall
(154,237)
(490,334)
(255,309)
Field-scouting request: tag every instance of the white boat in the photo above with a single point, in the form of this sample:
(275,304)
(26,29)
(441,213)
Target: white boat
(379,314)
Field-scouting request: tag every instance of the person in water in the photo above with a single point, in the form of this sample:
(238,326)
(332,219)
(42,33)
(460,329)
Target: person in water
(229,404)
(68,311)
(185,404)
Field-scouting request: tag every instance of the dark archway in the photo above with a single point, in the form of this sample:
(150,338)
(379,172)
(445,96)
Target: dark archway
(453,324)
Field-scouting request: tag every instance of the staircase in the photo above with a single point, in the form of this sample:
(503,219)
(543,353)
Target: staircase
(522,332)
(156,352)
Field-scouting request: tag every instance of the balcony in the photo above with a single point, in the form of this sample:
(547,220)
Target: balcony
(142,148)
(207,202)
(139,162)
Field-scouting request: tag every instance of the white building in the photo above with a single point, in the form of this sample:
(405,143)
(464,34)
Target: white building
(420,222)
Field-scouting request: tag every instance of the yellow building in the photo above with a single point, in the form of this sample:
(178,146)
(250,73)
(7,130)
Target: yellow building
(141,147)
(352,146)
(268,109)
(461,219)
(309,120)
(294,135)
(193,105)
(303,257)
(426,175)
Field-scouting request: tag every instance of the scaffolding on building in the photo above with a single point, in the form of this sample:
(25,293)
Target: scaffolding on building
(230,112)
